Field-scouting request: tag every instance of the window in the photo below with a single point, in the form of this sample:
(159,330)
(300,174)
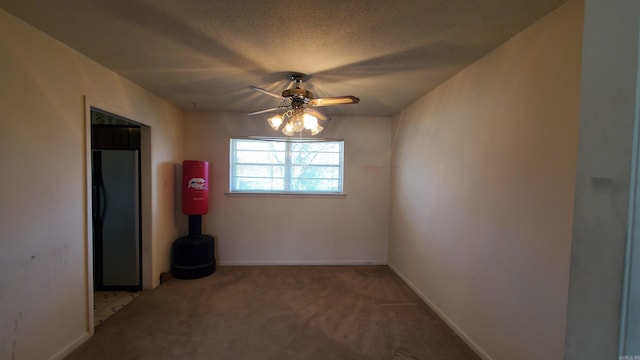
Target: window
(286,166)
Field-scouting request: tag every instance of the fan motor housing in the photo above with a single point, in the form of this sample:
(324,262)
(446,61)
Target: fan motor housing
(298,93)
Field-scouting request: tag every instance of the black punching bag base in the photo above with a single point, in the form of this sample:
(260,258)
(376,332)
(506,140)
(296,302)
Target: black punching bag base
(193,257)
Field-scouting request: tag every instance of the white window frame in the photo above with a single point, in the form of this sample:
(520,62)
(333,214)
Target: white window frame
(287,165)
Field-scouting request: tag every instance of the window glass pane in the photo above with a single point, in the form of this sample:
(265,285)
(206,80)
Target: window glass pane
(265,171)
(315,172)
(315,158)
(317,146)
(257,184)
(260,145)
(302,185)
(257,157)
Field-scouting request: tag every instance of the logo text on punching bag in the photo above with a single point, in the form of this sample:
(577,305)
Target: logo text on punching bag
(197,184)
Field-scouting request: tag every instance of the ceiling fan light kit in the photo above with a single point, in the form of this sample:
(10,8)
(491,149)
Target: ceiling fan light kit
(300,113)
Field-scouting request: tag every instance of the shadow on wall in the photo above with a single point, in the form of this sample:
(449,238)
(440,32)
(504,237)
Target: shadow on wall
(178,217)
(167,197)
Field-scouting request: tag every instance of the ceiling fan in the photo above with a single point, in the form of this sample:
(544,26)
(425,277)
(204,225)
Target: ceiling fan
(298,108)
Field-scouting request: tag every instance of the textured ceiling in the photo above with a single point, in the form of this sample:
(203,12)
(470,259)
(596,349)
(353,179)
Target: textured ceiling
(208,52)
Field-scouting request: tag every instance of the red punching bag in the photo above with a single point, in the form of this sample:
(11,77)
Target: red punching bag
(195,187)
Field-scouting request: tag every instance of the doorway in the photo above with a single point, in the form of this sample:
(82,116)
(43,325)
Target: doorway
(116,212)
(104,129)
(115,184)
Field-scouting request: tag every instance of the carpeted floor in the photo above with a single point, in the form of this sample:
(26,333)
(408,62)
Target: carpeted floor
(278,312)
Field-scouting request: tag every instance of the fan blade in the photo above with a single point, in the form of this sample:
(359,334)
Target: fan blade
(320,116)
(334,101)
(268,110)
(255,88)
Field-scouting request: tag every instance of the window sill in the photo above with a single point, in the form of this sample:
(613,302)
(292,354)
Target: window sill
(286,194)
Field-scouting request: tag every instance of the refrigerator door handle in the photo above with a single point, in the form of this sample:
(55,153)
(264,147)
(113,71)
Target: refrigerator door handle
(99,204)
(94,203)
(103,202)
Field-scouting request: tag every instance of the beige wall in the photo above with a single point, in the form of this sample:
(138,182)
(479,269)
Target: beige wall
(483,173)
(297,230)
(43,242)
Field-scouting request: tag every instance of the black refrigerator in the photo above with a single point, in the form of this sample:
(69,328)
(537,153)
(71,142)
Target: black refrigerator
(116,220)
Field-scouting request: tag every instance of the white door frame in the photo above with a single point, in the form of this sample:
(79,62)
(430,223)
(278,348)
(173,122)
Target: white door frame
(631,290)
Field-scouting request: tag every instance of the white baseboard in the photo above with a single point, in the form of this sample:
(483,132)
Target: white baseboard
(472,344)
(72,346)
(299,263)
